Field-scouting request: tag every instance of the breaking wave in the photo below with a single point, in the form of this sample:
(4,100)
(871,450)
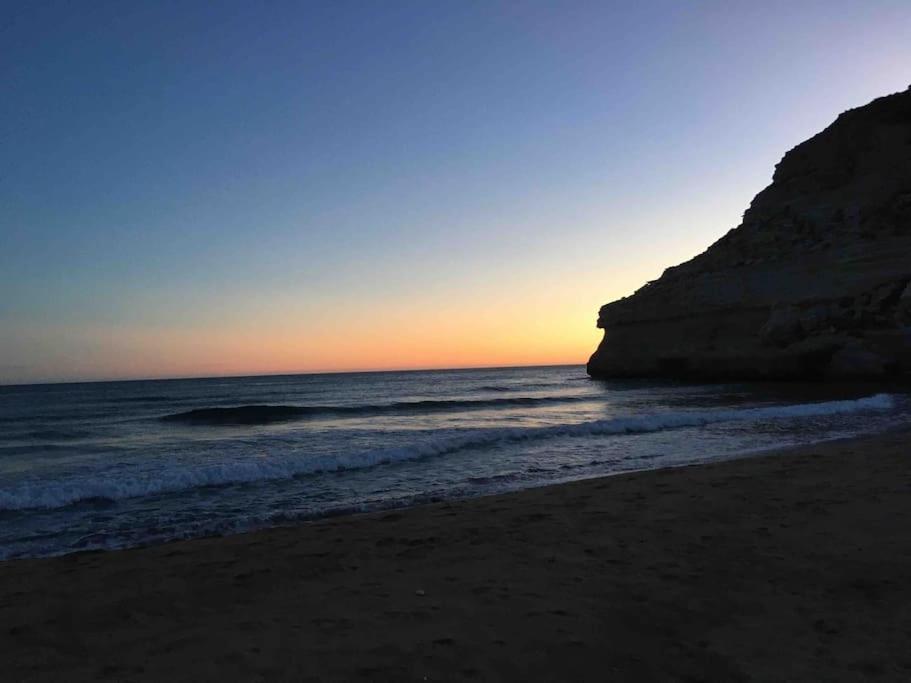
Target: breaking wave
(265,414)
(117,484)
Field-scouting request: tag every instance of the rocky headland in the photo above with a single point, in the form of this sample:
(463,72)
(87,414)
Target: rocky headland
(815,283)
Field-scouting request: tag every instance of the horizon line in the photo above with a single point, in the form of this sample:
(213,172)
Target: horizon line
(286,374)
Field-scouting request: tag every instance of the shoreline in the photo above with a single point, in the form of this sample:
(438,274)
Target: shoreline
(787,564)
(425,500)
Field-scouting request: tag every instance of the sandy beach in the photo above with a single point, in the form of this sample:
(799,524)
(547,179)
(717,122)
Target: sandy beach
(788,566)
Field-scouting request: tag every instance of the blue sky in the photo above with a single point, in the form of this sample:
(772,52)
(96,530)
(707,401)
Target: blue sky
(210,188)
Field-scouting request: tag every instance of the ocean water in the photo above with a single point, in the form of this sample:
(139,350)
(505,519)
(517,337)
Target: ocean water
(117,464)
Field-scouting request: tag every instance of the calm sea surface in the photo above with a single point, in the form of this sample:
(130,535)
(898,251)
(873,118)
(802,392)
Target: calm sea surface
(115,464)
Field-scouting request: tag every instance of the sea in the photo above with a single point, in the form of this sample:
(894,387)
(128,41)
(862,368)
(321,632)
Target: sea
(104,465)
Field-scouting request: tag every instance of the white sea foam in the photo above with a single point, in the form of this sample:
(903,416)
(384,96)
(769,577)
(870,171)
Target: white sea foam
(120,484)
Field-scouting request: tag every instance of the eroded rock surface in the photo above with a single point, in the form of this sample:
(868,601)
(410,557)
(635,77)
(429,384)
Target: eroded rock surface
(816,281)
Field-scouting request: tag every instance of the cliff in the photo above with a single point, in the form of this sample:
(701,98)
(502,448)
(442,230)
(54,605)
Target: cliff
(814,283)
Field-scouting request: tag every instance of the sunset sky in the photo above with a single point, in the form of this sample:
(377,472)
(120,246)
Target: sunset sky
(193,188)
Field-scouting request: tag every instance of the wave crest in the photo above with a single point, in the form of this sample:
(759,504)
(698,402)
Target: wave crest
(64,492)
(266,414)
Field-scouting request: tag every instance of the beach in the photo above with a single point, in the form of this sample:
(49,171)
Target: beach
(786,566)
(444,342)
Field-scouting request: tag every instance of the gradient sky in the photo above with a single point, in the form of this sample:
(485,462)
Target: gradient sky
(205,188)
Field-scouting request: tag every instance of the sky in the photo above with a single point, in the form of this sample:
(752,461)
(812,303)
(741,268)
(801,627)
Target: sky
(230,188)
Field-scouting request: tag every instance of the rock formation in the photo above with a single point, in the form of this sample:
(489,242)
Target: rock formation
(816,281)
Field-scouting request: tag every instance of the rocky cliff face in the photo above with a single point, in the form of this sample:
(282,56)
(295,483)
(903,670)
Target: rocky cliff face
(816,281)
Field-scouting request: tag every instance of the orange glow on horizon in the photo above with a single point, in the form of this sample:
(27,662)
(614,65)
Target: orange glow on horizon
(534,318)
(549,322)
(402,340)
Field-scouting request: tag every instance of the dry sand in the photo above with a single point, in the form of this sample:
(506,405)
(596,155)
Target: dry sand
(793,566)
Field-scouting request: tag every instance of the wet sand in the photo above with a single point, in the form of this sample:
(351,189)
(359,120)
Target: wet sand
(790,566)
